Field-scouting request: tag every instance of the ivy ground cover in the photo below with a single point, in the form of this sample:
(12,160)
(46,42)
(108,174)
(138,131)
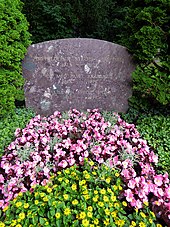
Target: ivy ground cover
(51,146)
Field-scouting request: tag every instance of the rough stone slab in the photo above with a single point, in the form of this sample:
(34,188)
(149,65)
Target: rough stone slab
(77,73)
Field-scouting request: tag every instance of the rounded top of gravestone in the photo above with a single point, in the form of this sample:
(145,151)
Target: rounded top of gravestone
(79,73)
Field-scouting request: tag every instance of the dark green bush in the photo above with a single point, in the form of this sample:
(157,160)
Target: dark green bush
(148,37)
(101,19)
(14,39)
(156,130)
(8,125)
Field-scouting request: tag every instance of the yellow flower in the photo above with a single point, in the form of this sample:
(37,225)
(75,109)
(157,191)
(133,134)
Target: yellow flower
(13,223)
(58,172)
(95,192)
(82,182)
(18,225)
(36,202)
(110,204)
(103,191)
(108,180)
(106,222)
(67,211)
(22,216)
(113,198)
(146,203)
(150,220)
(20,194)
(120,188)
(109,190)
(152,213)
(42,194)
(49,190)
(85,222)
(86,197)
(75,202)
(142,215)
(67,181)
(89,214)
(91,225)
(107,211)
(94,173)
(19,219)
(96,221)
(74,187)
(67,171)
(116,205)
(91,163)
(36,194)
(158,225)
(66,196)
(120,222)
(90,208)
(26,205)
(5,209)
(115,187)
(133,223)
(57,215)
(117,174)
(82,215)
(114,214)
(18,204)
(95,199)
(85,192)
(2,224)
(124,203)
(101,204)
(105,198)
(45,199)
(60,179)
(142,224)
(87,176)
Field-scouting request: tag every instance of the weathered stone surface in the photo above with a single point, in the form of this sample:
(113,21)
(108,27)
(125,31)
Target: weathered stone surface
(77,73)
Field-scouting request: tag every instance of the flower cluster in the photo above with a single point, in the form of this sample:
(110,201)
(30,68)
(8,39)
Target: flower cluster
(50,144)
(78,196)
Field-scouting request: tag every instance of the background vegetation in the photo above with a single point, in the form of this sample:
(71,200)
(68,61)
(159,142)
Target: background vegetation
(14,39)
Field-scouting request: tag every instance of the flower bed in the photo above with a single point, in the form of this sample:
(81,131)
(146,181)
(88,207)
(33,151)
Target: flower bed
(48,145)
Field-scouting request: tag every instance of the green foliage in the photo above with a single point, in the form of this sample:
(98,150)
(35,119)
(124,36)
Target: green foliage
(8,125)
(148,37)
(14,40)
(152,82)
(85,195)
(156,130)
(102,19)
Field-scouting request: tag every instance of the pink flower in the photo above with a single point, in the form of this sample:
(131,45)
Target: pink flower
(129,195)
(63,164)
(158,180)
(71,161)
(1,203)
(1,178)
(132,183)
(167,192)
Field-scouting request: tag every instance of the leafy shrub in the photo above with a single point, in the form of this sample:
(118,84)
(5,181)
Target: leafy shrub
(100,19)
(48,145)
(8,125)
(14,40)
(148,38)
(87,195)
(156,130)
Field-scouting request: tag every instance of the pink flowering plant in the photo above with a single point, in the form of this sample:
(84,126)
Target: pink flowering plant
(50,144)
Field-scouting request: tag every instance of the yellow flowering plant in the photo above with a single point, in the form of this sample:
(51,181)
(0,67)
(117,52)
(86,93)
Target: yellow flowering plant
(88,195)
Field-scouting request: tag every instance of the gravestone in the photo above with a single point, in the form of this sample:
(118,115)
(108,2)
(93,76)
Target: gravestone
(77,73)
